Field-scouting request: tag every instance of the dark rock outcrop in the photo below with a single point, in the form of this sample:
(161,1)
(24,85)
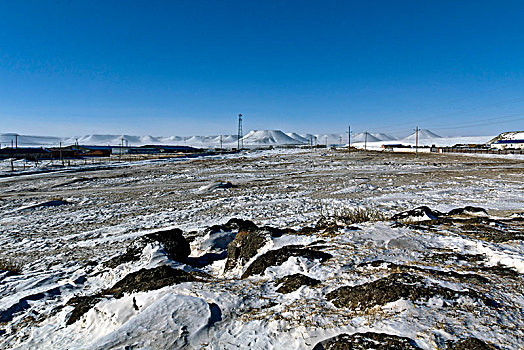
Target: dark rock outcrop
(429,214)
(279,256)
(469,344)
(417,214)
(140,281)
(245,246)
(394,287)
(368,340)
(150,279)
(292,282)
(81,305)
(173,242)
(233,224)
(468,211)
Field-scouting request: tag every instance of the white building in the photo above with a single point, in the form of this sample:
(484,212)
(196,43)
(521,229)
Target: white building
(508,144)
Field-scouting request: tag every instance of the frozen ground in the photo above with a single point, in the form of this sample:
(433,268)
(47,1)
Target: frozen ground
(437,282)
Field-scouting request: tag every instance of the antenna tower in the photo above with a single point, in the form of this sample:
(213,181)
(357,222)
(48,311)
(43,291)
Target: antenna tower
(240,142)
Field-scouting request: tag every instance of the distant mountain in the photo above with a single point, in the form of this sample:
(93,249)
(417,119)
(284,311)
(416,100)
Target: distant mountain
(297,137)
(384,137)
(269,137)
(362,137)
(422,134)
(332,139)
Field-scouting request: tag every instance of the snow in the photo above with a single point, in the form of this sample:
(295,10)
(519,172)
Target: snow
(384,137)
(269,137)
(422,135)
(63,248)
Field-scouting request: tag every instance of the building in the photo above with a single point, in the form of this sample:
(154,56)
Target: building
(508,144)
(25,153)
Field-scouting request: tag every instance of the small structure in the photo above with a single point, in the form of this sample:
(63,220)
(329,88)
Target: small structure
(398,147)
(64,152)
(120,150)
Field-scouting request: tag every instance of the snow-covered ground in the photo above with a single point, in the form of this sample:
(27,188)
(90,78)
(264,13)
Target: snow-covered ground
(78,239)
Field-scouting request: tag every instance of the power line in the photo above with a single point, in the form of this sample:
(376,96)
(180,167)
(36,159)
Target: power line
(467,110)
(482,124)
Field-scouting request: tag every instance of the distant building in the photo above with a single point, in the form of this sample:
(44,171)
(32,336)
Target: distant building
(508,144)
(25,153)
(94,151)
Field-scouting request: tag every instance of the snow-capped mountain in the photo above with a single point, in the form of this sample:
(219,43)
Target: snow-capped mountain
(422,134)
(269,137)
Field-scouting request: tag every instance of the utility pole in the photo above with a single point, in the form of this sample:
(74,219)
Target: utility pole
(61,159)
(326,142)
(311,142)
(121,149)
(340,140)
(240,133)
(349,138)
(365,140)
(220,143)
(416,142)
(16,140)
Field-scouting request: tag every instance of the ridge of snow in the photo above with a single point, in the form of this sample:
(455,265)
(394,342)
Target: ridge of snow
(422,134)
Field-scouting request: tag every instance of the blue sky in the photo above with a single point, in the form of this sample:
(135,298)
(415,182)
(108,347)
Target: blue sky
(189,67)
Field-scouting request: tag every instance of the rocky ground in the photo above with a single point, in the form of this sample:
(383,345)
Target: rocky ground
(269,249)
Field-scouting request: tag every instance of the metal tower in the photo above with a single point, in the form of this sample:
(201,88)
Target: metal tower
(240,142)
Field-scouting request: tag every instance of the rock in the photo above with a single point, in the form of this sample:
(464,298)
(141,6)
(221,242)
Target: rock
(216,186)
(424,213)
(469,344)
(140,281)
(279,256)
(292,282)
(278,232)
(368,340)
(245,246)
(150,279)
(233,224)
(468,211)
(173,242)
(394,287)
(418,214)
(81,305)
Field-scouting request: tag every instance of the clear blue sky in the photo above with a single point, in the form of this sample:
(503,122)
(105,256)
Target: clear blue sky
(189,67)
